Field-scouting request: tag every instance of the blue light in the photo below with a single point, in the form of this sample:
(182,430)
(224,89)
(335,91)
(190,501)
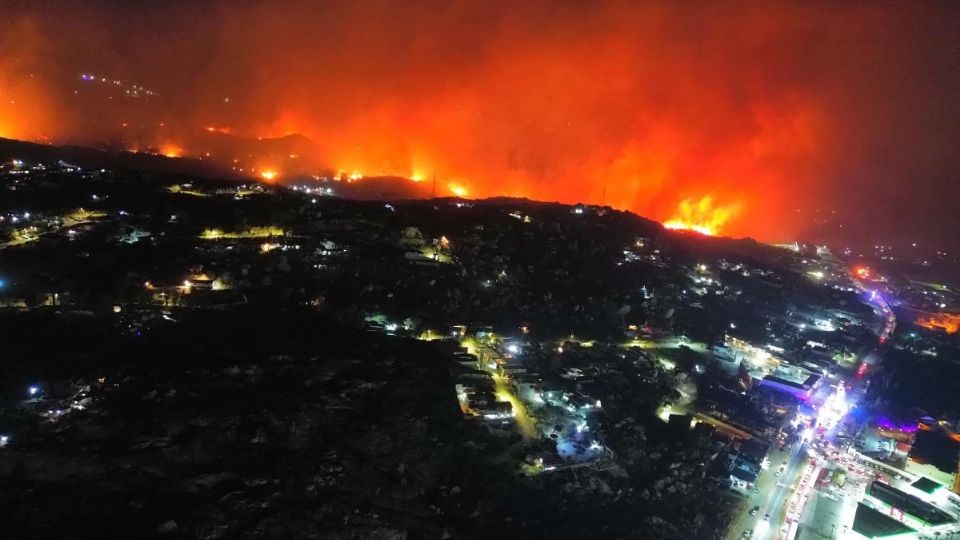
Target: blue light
(2,283)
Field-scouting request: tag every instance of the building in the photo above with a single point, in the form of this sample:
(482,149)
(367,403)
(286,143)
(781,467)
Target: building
(748,463)
(799,389)
(870,524)
(908,509)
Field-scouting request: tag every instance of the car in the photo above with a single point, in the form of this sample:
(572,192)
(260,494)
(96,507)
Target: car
(780,484)
(754,510)
(756,490)
(778,473)
(766,517)
(747,533)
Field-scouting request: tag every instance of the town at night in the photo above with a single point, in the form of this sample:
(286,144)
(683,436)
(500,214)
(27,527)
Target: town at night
(479,270)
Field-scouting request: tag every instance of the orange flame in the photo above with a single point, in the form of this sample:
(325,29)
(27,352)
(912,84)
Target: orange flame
(268,175)
(702,216)
(171,150)
(948,322)
(458,190)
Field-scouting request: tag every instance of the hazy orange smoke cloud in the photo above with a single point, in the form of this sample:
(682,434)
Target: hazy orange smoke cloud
(653,107)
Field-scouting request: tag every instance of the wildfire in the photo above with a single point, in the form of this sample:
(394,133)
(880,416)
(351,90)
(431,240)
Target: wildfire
(948,322)
(171,151)
(627,115)
(701,216)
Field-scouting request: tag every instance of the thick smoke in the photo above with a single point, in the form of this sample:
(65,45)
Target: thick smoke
(767,111)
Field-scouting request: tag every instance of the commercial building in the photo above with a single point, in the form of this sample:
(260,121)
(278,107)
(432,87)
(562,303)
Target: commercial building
(799,389)
(871,524)
(908,509)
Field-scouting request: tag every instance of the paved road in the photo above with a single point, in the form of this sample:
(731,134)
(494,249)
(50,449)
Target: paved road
(526,424)
(74,219)
(771,498)
(776,504)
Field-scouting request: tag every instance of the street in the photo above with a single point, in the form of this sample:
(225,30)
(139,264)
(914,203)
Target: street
(774,491)
(525,422)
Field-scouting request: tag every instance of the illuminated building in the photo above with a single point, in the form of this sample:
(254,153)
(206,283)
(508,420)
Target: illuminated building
(909,510)
(800,390)
(872,524)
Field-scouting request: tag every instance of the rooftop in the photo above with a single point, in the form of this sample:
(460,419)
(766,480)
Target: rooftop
(808,383)
(909,504)
(926,485)
(874,524)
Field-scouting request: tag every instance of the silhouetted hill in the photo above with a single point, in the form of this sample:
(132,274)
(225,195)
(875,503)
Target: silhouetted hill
(91,158)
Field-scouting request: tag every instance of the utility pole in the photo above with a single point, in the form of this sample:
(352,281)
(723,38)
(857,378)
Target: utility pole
(603,198)
(433,193)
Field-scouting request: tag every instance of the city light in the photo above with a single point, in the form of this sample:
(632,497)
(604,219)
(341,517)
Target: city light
(833,409)
(582,209)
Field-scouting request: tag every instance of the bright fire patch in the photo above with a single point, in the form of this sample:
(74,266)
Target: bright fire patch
(458,190)
(948,322)
(701,216)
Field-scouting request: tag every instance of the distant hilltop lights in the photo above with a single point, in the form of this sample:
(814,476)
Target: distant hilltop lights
(129,89)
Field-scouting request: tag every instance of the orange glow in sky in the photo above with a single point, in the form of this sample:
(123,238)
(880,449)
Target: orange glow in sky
(715,117)
(458,190)
(171,150)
